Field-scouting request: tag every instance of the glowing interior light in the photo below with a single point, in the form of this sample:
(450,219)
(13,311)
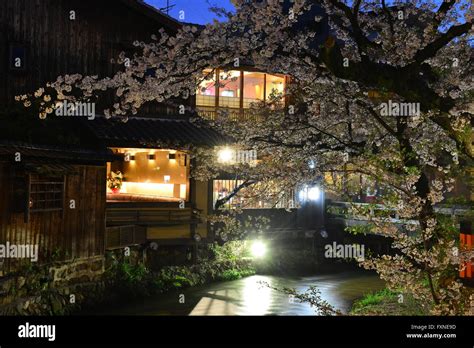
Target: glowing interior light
(148,188)
(182,191)
(225,155)
(314,193)
(258,248)
(167,178)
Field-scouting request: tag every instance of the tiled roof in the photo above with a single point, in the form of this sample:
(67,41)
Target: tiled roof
(153,132)
(51,154)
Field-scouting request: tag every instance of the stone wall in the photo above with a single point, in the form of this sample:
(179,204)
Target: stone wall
(56,288)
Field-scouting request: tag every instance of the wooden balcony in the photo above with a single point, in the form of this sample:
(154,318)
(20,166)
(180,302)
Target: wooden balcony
(234,114)
(128,223)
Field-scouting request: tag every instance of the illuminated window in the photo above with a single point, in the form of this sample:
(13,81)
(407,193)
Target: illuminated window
(254,88)
(153,175)
(235,90)
(206,93)
(229,89)
(275,85)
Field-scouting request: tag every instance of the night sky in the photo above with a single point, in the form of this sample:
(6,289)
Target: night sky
(195,11)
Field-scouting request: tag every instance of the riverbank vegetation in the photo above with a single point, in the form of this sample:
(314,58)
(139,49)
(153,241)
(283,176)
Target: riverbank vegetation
(387,302)
(384,302)
(137,280)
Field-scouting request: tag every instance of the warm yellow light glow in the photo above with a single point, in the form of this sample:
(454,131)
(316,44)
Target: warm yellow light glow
(174,154)
(156,176)
(145,188)
(225,155)
(129,157)
(258,91)
(182,191)
(228,75)
(278,86)
(275,84)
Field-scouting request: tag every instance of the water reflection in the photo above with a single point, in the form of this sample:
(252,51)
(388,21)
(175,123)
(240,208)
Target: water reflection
(220,302)
(248,296)
(256,297)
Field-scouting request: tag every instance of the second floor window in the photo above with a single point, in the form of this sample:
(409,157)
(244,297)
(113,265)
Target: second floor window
(206,93)
(230,84)
(237,89)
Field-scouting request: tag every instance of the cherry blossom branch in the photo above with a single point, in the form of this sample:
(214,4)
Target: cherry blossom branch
(431,49)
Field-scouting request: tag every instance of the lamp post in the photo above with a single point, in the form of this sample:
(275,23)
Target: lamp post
(311,198)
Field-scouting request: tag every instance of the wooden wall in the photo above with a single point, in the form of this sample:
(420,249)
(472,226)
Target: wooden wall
(75,233)
(56,45)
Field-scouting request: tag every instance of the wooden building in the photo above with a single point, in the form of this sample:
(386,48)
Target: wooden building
(157,199)
(43,39)
(52,198)
(53,172)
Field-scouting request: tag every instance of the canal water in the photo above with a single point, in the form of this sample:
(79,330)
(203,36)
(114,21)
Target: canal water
(248,296)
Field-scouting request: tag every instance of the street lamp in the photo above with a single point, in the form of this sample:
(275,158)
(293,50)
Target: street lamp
(312,193)
(258,249)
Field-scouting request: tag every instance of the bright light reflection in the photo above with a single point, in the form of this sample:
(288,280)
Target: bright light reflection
(256,297)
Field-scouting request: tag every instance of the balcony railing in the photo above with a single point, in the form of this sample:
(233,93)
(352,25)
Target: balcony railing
(379,212)
(233,114)
(118,216)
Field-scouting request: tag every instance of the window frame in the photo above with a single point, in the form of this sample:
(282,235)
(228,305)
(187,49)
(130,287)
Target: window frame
(242,84)
(56,188)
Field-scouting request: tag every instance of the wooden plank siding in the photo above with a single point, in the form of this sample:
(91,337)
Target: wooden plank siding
(75,233)
(56,45)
